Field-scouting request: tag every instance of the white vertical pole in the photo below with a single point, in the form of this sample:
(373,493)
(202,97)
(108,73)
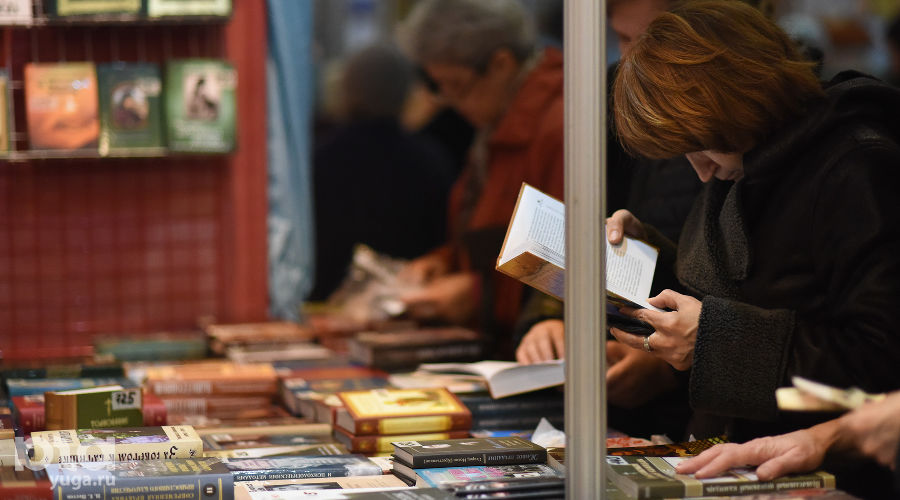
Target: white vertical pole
(585,112)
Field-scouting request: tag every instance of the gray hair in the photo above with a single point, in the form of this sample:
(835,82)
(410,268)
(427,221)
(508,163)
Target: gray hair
(375,82)
(466,32)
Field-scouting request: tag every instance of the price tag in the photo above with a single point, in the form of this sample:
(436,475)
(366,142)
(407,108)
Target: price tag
(128,399)
(15,12)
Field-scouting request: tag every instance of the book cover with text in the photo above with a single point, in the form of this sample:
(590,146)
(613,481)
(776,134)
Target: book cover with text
(61,105)
(130,108)
(200,105)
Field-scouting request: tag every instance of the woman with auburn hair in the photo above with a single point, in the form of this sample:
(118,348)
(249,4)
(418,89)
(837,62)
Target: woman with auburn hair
(791,253)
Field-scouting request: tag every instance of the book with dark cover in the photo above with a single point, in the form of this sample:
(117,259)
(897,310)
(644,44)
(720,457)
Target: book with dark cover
(521,487)
(94,408)
(61,105)
(201,109)
(164,8)
(469,451)
(405,350)
(516,422)
(18,483)
(184,479)
(317,434)
(437,477)
(26,387)
(101,8)
(382,444)
(118,444)
(401,411)
(28,412)
(73,370)
(299,467)
(647,477)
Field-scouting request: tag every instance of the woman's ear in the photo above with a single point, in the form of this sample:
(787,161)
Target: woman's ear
(503,62)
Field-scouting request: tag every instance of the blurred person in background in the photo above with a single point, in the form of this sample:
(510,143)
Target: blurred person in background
(374,182)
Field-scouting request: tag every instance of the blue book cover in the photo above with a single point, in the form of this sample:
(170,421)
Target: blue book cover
(299,467)
(28,387)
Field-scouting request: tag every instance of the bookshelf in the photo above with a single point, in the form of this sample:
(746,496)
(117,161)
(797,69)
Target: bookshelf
(123,244)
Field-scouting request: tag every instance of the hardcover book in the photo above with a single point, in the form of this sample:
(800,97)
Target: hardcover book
(300,467)
(265,427)
(222,335)
(61,105)
(64,8)
(16,12)
(313,449)
(216,406)
(125,443)
(300,393)
(405,350)
(437,477)
(384,444)
(29,412)
(401,411)
(200,105)
(506,378)
(184,478)
(94,408)
(533,252)
(269,353)
(163,8)
(157,346)
(684,449)
(324,488)
(218,378)
(469,451)
(317,434)
(646,477)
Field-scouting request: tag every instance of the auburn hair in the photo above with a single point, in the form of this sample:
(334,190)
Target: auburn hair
(709,75)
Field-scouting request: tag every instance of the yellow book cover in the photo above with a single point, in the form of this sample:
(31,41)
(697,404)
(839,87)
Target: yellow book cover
(401,411)
(61,105)
(115,444)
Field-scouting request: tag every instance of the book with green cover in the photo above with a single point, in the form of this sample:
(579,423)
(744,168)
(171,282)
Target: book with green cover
(644,477)
(130,108)
(94,408)
(187,478)
(163,8)
(200,105)
(65,8)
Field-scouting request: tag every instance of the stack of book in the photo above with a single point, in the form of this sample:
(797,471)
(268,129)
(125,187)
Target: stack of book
(304,391)
(437,463)
(213,388)
(368,421)
(269,441)
(159,346)
(407,349)
(264,342)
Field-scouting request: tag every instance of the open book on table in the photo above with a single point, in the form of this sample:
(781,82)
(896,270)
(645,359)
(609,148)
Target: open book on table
(534,253)
(506,378)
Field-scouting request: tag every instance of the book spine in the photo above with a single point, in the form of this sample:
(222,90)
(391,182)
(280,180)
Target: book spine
(53,411)
(155,413)
(506,407)
(299,473)
(30,417)
(412,425)
(214,405)
(213,387)
(211,485)
(383,444)
(514,422)
(781,484)
(64,448)
(484,458)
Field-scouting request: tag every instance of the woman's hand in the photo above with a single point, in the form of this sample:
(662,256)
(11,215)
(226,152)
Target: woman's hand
(799,451)
(874,429)
(424,269)
(635,377)
(451,298)
(545,341)
(624,223)
(676,331)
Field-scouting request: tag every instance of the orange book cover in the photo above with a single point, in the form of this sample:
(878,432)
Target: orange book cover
(61,105)
(214,378)
(401,411)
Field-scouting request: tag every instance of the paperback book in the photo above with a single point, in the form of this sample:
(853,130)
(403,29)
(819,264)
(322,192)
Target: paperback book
(200,105)
(300,467)
(469,451)
(395,411)
(506,378)
(405,350)
(647,477)
(102,445)
(185,478)
(61,105)
(437,477)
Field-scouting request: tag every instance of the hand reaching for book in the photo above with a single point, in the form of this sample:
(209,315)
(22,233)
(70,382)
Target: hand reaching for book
(545,341)
(676,329)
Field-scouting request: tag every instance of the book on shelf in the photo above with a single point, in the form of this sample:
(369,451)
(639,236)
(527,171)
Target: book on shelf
(164,8)
(301,467)
(117,444)
(200,105)
(420,454)
(27,387)
(401,411)
(222,378)
(370,444)
(61,105)
(66,8)
(438,476)
(25,483)
(94,408)
(13,12)
(157,346)
(332,488)
(404,350)
(316,449)
(5,110)
(533,252)
(809,395)
(648,477)
(507,378)
(223,335)
(182,478)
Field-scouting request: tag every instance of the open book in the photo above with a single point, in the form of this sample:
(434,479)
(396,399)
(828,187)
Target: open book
(506,378)
(534,253)
(808,395)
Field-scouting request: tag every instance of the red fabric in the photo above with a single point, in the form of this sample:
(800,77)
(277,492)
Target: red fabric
(527,146)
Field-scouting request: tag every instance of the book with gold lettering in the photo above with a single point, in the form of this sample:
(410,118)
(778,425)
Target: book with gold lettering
(401,411)
(116,444)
